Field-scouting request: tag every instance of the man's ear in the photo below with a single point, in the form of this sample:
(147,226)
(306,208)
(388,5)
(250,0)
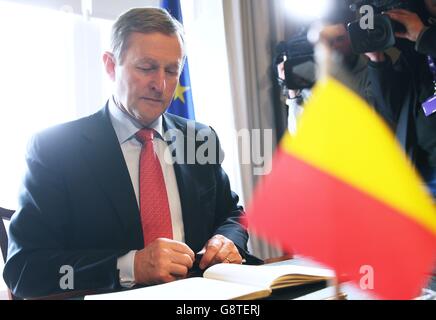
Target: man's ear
(109,64)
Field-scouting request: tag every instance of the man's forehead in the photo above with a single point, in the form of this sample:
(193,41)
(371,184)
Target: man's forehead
(156,38)
(154,48)
(150,60)
(155,41)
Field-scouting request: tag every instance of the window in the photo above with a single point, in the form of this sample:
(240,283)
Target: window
(51,72)
(208,63)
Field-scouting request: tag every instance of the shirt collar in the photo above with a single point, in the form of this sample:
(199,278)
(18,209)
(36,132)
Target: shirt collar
(126,126)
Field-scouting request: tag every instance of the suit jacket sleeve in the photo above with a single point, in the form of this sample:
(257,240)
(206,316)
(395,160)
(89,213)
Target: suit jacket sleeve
(389,85)
(426,43)
(39,235)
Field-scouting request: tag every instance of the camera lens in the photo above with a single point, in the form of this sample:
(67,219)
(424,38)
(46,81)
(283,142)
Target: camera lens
(368,40)
(379,34)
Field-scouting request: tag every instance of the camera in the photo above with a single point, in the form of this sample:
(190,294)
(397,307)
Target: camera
(298,53)
(299,62)
(381,5)
(382,35)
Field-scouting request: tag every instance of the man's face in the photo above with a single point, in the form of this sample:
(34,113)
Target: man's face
(146,78)
(338,39)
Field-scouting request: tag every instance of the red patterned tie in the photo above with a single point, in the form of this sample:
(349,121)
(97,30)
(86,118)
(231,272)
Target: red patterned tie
(153,199)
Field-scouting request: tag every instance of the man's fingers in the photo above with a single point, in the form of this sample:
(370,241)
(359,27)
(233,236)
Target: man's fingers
(181,248)
(399,12)
(226,250)
(182,259)
(212,248)
(398,17)
(401,35)
(167,278)
(220,250)
(228,254)
(233,257)
(178,270)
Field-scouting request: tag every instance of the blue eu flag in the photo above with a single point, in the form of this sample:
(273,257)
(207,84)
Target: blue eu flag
(182,104)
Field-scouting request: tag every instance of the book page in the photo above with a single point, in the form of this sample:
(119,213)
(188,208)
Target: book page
(265,275)
(189,289)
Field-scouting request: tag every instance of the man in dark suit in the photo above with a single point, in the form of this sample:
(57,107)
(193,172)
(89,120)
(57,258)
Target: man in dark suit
(91,185)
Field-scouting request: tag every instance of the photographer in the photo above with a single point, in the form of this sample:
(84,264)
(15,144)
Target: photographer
(403,89)
(337,37)
(295,99)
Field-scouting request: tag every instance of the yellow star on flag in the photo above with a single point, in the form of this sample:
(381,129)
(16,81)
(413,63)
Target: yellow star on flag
(180,90)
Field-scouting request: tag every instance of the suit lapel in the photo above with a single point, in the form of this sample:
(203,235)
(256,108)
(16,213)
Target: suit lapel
(103,152)
(188,189)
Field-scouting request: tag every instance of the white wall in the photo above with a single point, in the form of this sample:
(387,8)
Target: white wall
(210,80)
(111,9)
(106,9)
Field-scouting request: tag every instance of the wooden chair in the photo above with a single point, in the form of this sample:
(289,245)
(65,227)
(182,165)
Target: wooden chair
(5,215)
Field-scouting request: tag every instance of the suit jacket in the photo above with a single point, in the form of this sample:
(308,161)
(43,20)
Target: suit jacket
(400,89)
(78,207)
(426,44)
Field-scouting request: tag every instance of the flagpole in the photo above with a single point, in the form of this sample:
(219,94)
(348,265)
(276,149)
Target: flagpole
(339,295)
(326,63)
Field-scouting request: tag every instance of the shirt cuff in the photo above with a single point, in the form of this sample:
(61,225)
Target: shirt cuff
(126,266)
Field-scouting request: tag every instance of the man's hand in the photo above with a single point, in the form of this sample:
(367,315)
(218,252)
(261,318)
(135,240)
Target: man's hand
(411,22)
(219,249)
(163,261)
(292,94)
(376,56)
(281,70)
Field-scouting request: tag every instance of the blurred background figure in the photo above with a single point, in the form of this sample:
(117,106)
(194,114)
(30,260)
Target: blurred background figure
(296,68)
(405,88)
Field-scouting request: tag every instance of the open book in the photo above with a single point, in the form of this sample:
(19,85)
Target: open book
(226,281)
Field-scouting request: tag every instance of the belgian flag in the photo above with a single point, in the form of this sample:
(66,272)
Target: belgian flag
(343,192)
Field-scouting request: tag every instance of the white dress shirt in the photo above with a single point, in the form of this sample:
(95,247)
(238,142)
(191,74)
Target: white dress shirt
(125,128)
(295,111)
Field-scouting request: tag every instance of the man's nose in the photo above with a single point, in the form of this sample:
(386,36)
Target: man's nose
(158,83)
